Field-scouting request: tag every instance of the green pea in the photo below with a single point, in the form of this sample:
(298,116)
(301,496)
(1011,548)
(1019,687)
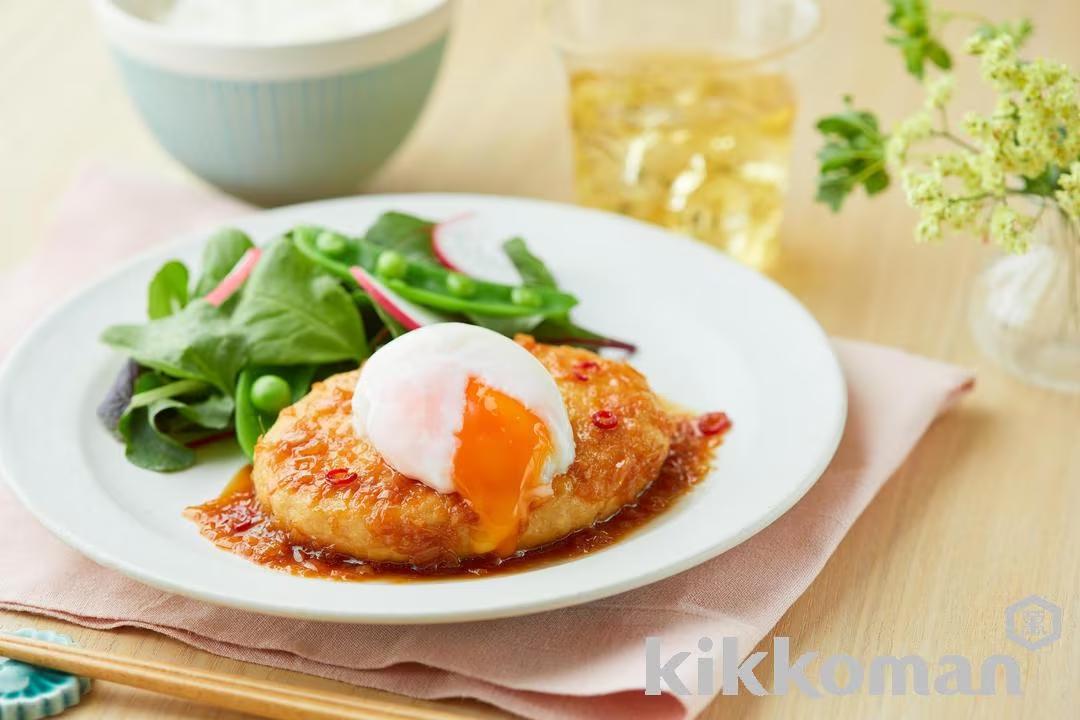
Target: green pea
(460,285)
(331,243)
(526,297)
(391,265)
(306,232)
(270,393)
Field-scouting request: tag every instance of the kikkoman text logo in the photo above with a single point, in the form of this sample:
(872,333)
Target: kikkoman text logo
(1031,623)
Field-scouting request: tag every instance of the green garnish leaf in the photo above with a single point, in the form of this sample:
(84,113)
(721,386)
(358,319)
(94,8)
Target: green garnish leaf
(214,412)
(532,269)
(197,343)
(406,234)
(560,328)
(157,416)
(911,18)
(853,155)
(168,290)
(151,387)
(564,331)
(293,313)
(148,447)
(223,250)
(851,124)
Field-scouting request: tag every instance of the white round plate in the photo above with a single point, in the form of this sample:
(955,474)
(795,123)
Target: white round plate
(713,335)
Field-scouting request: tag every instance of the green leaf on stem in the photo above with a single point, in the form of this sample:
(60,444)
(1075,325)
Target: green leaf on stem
(853,156)
(911,19)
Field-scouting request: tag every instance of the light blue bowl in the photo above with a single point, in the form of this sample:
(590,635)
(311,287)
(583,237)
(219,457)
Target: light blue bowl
(278,124)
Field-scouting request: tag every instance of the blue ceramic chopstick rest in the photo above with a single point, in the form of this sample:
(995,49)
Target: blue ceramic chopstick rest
(28,692)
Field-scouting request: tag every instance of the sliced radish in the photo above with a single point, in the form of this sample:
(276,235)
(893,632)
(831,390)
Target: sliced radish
(236,277)
(442,236)
(464,244)
(409,314)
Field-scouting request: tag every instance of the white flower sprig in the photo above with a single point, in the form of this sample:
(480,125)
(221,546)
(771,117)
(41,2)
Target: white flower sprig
(1027,148)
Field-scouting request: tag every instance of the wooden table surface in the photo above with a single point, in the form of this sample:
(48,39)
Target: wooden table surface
(981,515)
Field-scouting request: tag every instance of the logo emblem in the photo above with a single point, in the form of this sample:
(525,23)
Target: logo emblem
(1033,622)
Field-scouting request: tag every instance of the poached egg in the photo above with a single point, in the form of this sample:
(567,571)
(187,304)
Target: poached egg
(466,410)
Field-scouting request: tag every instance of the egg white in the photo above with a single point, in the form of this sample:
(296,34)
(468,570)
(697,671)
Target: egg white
(409,401)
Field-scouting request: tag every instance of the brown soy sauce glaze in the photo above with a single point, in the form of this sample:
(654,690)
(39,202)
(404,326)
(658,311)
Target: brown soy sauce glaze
(237,522)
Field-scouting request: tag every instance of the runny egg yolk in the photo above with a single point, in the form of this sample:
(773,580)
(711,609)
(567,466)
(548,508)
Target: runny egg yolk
(501,453)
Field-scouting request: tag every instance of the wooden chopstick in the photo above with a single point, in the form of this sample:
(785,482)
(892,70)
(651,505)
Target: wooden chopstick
(221,690)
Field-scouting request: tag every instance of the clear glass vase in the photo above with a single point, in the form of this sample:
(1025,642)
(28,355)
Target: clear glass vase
(1025,309)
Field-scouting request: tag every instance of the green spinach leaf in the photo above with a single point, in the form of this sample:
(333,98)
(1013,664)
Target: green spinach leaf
(532,269)
(563,331)
(163,413)
(559,329)
(146,445)
(197,343)
(293,313)
(408,235)
(214,412)
(168,290)
(223,250)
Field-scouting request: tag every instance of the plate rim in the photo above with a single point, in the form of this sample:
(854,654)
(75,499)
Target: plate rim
(511,608)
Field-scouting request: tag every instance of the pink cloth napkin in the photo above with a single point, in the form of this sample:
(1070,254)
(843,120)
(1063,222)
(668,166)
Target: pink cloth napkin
(580,662)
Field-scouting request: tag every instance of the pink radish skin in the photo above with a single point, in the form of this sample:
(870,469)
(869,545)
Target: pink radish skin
(236,277)
(438,238)
(408,314)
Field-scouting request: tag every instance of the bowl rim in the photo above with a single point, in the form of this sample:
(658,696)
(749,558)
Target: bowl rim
(188,54)
(136,24)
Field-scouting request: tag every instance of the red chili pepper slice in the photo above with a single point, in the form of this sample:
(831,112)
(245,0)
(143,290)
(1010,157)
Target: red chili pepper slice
(340,476)
(713,423)
(605,419)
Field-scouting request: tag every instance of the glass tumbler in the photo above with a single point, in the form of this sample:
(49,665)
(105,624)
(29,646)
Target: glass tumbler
(682,113)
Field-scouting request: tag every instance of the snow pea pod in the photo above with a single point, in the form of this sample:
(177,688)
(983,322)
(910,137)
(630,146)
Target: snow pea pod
(431,285)
(306,239)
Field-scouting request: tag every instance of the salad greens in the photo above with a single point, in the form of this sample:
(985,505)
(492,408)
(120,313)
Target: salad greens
(408,235)
(225,350)
(164,415)
(557,329)
(293,313)
(223,250)
(168,291)
(199,342)
(532,270)
(252,418)
(420,279)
